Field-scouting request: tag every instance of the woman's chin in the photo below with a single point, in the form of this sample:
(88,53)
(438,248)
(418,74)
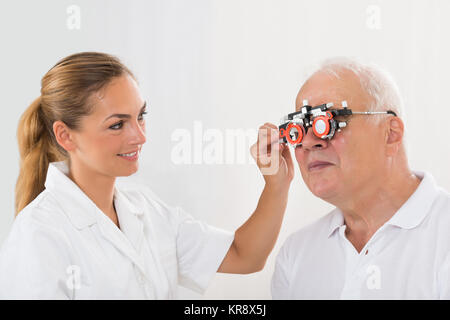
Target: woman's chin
(126,171)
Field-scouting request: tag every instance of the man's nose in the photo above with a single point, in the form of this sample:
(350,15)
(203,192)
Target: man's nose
(312,142)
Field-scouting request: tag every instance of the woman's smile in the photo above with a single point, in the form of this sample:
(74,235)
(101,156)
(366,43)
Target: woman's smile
(132,156)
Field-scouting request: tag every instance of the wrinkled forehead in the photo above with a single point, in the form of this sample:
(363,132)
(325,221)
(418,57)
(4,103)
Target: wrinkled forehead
(323,88)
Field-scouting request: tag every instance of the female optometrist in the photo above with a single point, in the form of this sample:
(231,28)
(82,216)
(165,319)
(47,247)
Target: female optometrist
(79,235)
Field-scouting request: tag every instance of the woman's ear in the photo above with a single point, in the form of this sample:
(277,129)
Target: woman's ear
(64,135)
(394,135)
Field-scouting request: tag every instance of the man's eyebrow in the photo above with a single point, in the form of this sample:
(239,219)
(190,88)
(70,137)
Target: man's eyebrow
(124,115)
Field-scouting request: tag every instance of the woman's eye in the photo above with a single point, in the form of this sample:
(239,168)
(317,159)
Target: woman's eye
(117,126)
(141,117)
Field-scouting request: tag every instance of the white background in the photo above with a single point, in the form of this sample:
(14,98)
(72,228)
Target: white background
(231,64)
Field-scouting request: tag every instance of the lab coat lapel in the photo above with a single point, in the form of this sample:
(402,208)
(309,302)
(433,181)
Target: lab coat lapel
(130,220)
(111,233)
(163,284)
(129,238)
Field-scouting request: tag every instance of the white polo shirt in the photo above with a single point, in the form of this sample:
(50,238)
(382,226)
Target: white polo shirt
(407,258)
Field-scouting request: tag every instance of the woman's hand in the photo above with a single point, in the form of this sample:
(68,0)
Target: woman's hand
(273,158)
(255,239)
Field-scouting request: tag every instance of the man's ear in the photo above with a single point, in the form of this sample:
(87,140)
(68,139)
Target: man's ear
(64,135)
(394,135)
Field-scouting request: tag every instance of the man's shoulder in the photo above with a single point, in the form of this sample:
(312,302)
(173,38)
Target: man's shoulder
(318,229)
(443,200)
(434,199)
(439,212)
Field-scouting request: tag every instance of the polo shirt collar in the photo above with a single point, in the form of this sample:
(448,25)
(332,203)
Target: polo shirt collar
(337,220)
(415,209)
(411,213)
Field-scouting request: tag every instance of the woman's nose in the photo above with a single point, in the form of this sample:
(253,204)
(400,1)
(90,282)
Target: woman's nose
(138,134)
(311,141)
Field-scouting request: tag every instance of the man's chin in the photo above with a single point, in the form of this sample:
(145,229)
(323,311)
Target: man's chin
(323,189)
(325,196)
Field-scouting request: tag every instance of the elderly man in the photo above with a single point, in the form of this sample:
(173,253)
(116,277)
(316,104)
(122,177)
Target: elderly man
(389,235)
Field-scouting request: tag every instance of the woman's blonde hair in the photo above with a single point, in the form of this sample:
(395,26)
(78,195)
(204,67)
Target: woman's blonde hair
(65,95)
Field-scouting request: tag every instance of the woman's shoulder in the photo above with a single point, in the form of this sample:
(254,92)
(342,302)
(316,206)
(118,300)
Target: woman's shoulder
(37,221)
(135,190)
(139,194)
(44,209)
(143,197)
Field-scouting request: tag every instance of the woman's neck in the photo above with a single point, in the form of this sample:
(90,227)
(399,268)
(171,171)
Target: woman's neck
(98,187)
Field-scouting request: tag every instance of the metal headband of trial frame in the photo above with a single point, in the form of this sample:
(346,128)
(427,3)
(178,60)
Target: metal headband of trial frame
(307,112)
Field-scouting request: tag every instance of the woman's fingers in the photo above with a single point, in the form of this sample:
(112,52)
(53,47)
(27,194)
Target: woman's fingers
(271,155)
(267,150)
(267,144)
(286,154)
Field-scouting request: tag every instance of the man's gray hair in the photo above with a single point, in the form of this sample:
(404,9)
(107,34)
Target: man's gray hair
(375,81)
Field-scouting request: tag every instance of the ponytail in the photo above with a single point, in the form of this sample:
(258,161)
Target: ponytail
(36,151)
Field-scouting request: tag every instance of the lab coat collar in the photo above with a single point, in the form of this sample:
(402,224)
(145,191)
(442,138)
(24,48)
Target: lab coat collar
(82,212)
(410,214)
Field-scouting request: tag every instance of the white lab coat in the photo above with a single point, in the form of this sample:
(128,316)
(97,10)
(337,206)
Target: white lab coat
(62,246)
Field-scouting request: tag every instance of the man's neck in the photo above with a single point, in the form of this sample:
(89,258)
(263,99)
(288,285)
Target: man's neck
(367,211)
